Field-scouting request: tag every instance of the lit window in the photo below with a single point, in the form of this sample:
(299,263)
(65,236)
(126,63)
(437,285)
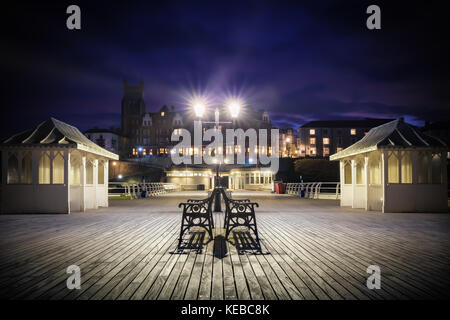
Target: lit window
(393,174)
(374,171)
(326,151)
(326,140)
(44,168)
(406,167)
(347,173)
(359,173)
(436,169)
(89,172)
(313,151)
(162,113)
(58,169)
(75,169)
(353,132)
(424,166)
(13,170)
(312,140)
(25,176)
(338,149)
(312,132)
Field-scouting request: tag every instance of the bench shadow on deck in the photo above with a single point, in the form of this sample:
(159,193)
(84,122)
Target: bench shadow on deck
(308,250)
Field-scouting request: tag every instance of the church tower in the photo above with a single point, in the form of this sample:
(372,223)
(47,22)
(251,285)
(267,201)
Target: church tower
(133,109)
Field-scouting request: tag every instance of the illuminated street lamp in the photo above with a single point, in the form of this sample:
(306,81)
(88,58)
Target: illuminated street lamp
(234,106)
(199,109)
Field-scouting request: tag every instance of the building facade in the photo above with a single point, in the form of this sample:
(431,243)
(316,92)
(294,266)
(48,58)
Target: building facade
(323,138)
(109,139)
(149,133)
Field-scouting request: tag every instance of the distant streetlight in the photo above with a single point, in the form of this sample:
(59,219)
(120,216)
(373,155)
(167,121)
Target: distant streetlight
(119,176)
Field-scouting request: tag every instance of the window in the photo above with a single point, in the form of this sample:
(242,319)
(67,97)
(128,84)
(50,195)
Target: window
(359,173)
(58,169)
(247,178)
(338,149)
(101,173)
(74,170)
(326,151)
(326,140)
(312,132)
(162,113)
(393,168)
(100,141)
(252,179)
(374,172)
(353,132)
(44,168)
(423,167)
(312,140)
(436,172)
(406,167)
(13,170)
(89,172)
(25,176)
(313,151)
(347,173)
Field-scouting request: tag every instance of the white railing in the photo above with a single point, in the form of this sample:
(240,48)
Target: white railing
(315,190)
(128,190)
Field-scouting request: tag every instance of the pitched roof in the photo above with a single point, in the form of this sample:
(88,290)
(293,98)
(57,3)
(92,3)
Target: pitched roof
(53,132)
(366,123)
(393,135)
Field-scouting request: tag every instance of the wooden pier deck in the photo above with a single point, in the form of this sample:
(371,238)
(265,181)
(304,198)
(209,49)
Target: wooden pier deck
(311,249)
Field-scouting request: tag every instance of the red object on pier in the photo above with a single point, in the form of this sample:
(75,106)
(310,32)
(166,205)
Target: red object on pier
(279,188)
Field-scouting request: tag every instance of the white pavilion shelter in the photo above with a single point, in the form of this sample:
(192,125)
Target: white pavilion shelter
(53,168)
(394,168)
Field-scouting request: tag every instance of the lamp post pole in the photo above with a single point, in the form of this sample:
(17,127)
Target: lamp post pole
(199,107)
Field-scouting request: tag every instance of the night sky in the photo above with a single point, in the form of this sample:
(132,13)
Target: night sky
(300,61)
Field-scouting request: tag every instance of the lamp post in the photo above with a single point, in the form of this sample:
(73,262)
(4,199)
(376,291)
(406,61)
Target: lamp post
(234,106)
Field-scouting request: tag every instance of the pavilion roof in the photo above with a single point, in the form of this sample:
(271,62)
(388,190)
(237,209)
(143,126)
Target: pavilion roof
(55,133)
(392,135)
